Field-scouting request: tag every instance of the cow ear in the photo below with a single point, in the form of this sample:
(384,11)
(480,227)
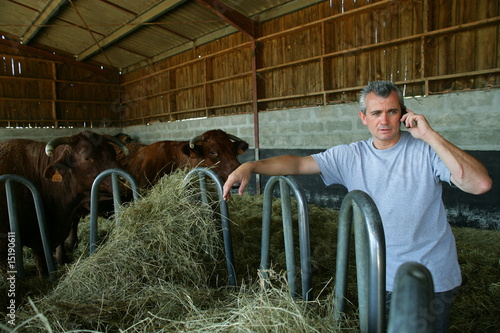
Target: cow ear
(192,153)
(56,170)
(241,148)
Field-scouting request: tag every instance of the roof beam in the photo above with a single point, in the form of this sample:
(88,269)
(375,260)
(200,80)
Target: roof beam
(50,9)
(233,17)
(132,25)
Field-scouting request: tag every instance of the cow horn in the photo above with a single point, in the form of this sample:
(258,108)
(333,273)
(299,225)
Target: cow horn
(233,137)
(52,144)
(194,140)
(117,142)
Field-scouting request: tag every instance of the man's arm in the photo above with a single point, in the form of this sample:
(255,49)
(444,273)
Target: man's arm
(274,166)
(467,172)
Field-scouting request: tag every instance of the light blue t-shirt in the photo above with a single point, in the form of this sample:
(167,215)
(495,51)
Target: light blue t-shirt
(404,181)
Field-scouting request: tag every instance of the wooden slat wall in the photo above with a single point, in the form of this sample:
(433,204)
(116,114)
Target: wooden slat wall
(37,92)
(325,53)
(320,55)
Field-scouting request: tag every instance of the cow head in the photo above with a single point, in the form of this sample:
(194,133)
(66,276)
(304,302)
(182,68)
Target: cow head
(84,156)
(215,149)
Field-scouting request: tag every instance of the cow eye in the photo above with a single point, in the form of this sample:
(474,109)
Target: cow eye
(213,153)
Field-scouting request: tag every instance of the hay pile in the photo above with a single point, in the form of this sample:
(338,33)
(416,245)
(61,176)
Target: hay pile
(163,270)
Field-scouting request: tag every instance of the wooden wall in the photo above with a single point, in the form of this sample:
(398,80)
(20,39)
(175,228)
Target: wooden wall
(325,54)
(320,55)
(39,89)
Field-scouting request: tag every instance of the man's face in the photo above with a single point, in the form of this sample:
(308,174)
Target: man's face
(383,119)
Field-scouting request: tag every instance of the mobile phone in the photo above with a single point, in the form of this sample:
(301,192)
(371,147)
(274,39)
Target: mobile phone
(403,112)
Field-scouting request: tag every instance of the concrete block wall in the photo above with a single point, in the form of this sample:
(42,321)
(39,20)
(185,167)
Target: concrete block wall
(470,120)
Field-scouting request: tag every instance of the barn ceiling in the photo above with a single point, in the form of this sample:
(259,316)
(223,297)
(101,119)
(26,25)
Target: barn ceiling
(129,34)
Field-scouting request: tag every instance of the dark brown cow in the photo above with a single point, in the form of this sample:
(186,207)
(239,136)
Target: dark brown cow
(63,171)
(215,149)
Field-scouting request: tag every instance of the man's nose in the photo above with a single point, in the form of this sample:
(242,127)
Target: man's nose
(384,118)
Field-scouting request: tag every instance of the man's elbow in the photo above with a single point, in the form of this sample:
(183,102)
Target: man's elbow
(484,185)
(475,186)
(481,186)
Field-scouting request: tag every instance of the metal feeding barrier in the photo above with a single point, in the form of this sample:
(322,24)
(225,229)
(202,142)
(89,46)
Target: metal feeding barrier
(412,301)
(14,226)
(94,196)
(287,182)
(359,209)
(226,231)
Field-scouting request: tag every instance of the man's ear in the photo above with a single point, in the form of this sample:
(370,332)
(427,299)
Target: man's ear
(363,117)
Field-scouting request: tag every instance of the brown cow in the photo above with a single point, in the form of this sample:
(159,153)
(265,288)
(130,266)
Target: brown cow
(215,149)
(63,171)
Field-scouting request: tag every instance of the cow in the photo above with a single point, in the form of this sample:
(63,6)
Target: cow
(215,149)
(63,170)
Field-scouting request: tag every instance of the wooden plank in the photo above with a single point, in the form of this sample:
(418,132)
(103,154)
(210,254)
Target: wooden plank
(364,36)
(465,62)
(487,43)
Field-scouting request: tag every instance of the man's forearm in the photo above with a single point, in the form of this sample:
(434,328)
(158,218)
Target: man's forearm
(467,172)
(285,165)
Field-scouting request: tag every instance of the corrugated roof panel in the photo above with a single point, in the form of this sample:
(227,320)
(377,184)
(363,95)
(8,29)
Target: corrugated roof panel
(249,8)
(192,20)
(119,57)
(109,19)
(150,41)
(15,19)
(66,38)
(135,6)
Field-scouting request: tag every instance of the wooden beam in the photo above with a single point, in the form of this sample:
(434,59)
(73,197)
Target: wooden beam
(50,9)
(147,16)
(231,16)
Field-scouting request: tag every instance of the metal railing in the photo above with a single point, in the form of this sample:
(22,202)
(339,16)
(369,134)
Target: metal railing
(226,230)
(359,209)
(287,182)
(94,198)
(412,300)
(14,226)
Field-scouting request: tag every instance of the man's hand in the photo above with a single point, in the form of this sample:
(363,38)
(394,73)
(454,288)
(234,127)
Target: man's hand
(241,175)
(416,124)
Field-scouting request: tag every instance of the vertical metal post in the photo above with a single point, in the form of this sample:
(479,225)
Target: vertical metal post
(370,260)
(15,226)
(203,186)
(412,300)
(94,198)
(304,239)
(226,230)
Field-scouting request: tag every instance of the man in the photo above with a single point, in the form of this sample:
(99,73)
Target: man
(403,173)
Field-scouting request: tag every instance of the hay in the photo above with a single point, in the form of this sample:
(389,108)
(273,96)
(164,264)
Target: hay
(163,270)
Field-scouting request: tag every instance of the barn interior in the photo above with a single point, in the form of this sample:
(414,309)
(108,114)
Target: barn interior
(284,75)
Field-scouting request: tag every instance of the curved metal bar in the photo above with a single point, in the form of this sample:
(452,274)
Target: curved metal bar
(226,229)
(412,301)
(94,196)
(287,182)
(370,259)
(14,227)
